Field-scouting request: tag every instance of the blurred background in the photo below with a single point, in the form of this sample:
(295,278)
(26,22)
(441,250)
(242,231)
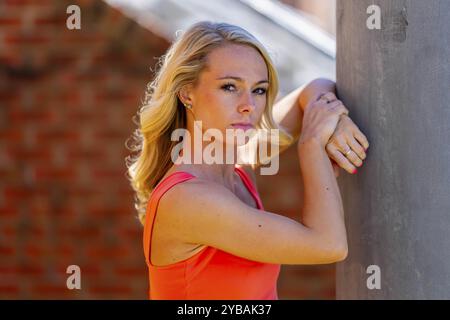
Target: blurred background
(67,99)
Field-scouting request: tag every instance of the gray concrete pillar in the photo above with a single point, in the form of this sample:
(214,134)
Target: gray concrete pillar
(396,83)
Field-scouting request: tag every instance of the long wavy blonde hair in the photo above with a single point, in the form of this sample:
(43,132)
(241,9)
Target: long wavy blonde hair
(162,111)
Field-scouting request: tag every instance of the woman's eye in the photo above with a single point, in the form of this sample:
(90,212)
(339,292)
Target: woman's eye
(226,86)
(263,91)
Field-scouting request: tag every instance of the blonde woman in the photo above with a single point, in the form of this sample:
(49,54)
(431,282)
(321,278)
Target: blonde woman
(206,233)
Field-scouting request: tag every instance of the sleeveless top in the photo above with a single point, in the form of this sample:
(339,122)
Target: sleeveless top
(211,274)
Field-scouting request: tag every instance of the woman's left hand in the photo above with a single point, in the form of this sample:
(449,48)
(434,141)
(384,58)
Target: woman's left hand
(347,146)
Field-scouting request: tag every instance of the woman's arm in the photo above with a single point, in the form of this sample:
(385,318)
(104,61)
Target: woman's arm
(203,212)
(288,112)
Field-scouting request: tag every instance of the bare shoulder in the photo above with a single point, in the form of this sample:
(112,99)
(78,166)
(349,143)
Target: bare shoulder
(191,202)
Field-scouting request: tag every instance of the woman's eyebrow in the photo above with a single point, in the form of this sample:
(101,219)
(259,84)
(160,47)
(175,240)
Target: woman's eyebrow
(240,79)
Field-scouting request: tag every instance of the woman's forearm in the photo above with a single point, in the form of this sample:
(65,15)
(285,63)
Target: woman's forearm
(322,209)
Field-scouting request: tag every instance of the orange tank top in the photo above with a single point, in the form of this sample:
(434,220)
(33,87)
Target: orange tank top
(211,274)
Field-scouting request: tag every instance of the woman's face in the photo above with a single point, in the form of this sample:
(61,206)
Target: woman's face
(232,89)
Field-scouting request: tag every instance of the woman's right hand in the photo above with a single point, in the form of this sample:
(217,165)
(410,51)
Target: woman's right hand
(320,118)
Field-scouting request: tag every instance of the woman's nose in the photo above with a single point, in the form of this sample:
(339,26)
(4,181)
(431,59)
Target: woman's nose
(247,104)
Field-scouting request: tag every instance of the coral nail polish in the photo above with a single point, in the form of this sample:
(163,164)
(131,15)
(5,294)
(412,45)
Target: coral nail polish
(354,171)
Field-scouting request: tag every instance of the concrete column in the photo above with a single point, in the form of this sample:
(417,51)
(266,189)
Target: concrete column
(396,83)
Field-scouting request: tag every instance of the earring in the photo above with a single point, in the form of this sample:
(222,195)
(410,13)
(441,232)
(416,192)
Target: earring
(187,105)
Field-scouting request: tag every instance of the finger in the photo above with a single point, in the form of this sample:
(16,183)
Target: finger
(343,146)
(353,157)
(339,158)
(362,139)
(357,148)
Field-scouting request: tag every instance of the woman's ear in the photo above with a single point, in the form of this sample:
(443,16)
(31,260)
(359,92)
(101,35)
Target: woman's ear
(185,94)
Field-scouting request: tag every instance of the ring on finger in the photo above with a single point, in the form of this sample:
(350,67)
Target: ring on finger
(347,152)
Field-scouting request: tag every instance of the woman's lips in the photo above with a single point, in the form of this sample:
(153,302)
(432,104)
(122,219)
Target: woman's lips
(243,126)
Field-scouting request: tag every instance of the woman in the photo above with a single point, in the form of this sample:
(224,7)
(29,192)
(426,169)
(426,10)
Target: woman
(206,234)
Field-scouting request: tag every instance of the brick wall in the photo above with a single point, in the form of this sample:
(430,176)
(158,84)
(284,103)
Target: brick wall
(67,98)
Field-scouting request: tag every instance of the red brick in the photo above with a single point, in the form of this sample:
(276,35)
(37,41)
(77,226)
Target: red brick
(17,152)
(64,60)
(105,211)
(79,232)
(51,21)
(15,192)
(90,270)
(118,173)
(97,252)
(34,250)
(7,251)
(69,97)
(22,270)
(79,36)
(65,250)
(110,289)
(89,155)
(86,270)
(8,22)
(131,233)
(48,289)
(58,134)
(9,97)
(31,116)
(8,231)
(26,39)
(97,77)
(9,289)
(10,60)
(53,173)
(117,96)
(8,211)
(131,271)
(83,192)
(121,59)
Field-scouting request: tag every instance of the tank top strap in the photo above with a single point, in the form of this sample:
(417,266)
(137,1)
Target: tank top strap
(249,184)
(158,192)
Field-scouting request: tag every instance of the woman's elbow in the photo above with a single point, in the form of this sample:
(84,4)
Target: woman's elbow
(341,254)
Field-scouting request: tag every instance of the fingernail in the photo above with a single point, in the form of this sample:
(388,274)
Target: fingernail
(354,171)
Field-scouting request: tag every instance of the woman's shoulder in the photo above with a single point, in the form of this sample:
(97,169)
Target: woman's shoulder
(185,186)
(186,198)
